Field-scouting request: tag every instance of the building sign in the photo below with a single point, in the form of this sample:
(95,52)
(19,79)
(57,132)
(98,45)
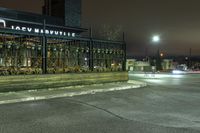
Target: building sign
(42,31)
(36,29)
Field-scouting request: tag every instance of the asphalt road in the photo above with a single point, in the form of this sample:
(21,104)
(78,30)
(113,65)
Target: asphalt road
(169,104)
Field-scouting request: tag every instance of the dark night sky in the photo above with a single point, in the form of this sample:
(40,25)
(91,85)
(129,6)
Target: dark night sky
(176,21)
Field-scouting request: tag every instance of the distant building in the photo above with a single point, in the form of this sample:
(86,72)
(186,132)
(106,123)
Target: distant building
(134,65)
(69,10)
(167,64)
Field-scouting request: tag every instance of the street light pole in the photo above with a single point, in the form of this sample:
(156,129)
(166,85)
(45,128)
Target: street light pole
(156,40)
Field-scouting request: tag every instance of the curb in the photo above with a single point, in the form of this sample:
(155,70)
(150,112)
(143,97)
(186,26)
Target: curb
(136,84)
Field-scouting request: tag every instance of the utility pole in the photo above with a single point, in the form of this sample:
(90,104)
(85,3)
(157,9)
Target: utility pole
(158,60)
(190,56)
(124,48)
(146,55)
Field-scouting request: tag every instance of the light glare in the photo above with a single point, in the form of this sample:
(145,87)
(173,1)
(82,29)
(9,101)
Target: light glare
(178,72)
(156,38)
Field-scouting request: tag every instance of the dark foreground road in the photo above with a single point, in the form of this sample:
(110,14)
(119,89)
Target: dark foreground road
(170,104)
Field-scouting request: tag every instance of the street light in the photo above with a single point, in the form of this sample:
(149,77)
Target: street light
(156,38)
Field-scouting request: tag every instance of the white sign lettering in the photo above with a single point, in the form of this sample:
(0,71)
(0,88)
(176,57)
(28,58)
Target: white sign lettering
(41,31)
(37,30)
(3,22)
(29,29)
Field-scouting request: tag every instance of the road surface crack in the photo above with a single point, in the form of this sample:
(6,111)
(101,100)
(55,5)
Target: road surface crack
(99,108)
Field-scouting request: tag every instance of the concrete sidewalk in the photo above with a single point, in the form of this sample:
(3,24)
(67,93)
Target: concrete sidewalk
(32,95)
